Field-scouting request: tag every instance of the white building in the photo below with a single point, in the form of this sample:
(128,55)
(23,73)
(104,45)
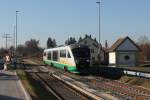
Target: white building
(124,52)
(94,49)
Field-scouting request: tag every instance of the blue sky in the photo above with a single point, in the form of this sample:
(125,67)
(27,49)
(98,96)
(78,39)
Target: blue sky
(61,19)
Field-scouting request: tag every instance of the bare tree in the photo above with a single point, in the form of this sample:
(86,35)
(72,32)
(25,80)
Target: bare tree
(144,44)
(21,50)
(32,47)
(2,52)
(143,40)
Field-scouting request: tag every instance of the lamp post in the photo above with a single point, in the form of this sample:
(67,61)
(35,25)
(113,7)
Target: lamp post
(98,2)
(99,27)
(16,27)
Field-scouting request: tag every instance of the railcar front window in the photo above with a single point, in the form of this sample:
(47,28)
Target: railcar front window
(81,52)
(69,55)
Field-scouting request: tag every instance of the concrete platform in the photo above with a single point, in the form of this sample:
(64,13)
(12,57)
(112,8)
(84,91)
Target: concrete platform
(11,87)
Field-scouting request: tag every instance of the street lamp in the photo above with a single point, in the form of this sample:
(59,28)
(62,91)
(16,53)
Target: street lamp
(98,2)
(16,27)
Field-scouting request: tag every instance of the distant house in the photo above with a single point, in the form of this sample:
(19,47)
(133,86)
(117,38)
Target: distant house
(94,49)
(124,52)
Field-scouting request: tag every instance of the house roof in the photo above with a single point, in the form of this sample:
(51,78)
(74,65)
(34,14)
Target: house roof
(119,42)
(94,40)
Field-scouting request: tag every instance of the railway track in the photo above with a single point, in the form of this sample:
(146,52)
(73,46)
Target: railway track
(60,89)
(117,89)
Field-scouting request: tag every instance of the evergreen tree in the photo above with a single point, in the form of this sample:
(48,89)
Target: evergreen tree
(70,40)
(51,43)
(80,39)
(54,43)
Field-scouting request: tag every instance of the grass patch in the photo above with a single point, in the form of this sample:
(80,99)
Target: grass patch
(145,65)
(26,83)
(34,88)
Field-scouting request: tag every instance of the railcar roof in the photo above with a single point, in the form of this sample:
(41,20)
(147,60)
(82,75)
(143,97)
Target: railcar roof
(67,46)
(63,47)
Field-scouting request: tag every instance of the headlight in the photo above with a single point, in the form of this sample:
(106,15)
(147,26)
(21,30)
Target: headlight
(76,61)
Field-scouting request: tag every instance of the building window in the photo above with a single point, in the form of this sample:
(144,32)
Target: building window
(126,57)
(95,45)
(93,58)
(92,50)
(85,42)
(98,56)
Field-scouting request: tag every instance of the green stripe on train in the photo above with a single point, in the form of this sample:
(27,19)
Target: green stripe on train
(61,66)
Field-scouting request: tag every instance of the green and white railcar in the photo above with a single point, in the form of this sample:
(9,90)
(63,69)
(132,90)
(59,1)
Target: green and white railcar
(72,58)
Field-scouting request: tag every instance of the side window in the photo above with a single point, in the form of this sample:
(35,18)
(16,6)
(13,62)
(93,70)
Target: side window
(62,53)
(55,55)
(49,56)
(69,55)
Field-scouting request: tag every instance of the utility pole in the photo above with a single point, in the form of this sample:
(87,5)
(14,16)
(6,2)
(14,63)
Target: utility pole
(14,33)
(6,36)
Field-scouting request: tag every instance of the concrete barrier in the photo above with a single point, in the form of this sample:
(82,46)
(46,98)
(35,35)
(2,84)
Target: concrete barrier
(137,73)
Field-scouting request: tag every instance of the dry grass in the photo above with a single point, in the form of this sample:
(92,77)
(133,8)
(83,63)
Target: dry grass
(22,75)
(136,81)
